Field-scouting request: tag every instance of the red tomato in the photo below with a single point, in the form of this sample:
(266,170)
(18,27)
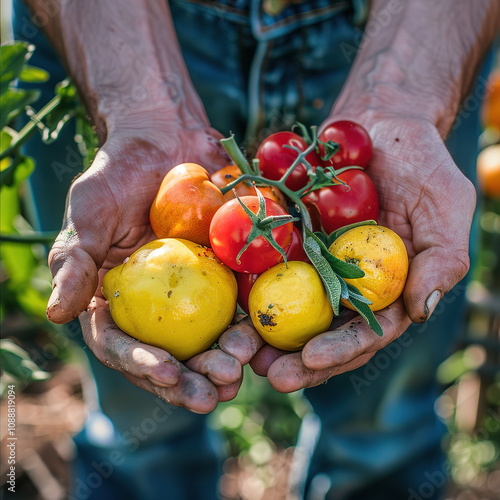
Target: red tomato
(229,231)
(296,249)
(356,147)
(245,283)
(341,205)
(274,158)
(245,280)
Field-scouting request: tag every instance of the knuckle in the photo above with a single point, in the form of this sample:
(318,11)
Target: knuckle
(461,266)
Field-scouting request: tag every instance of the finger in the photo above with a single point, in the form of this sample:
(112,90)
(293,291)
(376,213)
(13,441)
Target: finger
(119,351)
(289,374)
(192,391)
(219,367)
(441,250)
(76,257)
(241,341)
(228,392)
(264,358)
(432,273)
(355,338)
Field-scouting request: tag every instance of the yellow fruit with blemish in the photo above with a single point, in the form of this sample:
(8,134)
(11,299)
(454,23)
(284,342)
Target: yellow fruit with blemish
(173,294)
(288,305)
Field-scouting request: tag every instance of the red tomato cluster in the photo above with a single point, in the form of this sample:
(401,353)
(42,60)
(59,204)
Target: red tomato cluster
(331,207)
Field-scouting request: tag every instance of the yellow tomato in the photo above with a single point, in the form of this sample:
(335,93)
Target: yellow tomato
(382,255)
(173,294)
(289,305)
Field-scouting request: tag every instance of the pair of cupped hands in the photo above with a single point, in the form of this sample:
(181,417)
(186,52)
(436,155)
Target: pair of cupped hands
(423,195)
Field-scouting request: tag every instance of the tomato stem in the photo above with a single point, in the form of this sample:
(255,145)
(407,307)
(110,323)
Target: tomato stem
(239,159)
(237,156)
(301,157)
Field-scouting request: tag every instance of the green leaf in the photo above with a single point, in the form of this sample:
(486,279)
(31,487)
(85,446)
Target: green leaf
(323,177)
(330,280)
(32,74)
(366,313)
(6,137)
(12,59)
(66,90)
(17,170)
(344,290)
(338,232)
(17,362)
(344,269)
(44,237)
(321,236)
(13,102)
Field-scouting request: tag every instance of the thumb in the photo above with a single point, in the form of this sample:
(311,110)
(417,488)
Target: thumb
(75,277)
(78,253)
(432,273)
(74,283)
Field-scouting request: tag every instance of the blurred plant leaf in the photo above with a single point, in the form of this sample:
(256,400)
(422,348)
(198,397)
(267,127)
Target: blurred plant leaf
(32,74)
(86,139)
(13,102)
(16,170)
(66,90)
(13,57)
(17,363)
(68,106)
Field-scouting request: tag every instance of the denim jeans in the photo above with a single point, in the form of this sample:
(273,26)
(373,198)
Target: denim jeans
(375,433)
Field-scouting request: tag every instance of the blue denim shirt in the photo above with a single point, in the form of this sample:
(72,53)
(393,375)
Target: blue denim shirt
(266,66)
(274,18)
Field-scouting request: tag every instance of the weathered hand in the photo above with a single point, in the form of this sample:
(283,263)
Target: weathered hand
(107,218)
(429,203)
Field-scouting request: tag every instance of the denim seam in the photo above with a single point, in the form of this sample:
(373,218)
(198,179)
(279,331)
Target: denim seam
(303,18)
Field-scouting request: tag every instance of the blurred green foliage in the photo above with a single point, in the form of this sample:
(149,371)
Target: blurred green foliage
(25,280)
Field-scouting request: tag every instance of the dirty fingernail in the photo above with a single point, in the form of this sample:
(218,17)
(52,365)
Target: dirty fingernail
(431,303)
(53,299)
(169,382)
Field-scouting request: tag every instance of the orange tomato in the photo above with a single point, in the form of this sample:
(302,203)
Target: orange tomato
(491,104)
(185,204)
(221,178)
(488,171)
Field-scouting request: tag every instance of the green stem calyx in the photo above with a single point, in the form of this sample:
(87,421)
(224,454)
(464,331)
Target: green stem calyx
(263,224)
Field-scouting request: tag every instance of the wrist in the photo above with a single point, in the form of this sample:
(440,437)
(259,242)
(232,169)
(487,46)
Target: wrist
(153,119)
(397,72)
